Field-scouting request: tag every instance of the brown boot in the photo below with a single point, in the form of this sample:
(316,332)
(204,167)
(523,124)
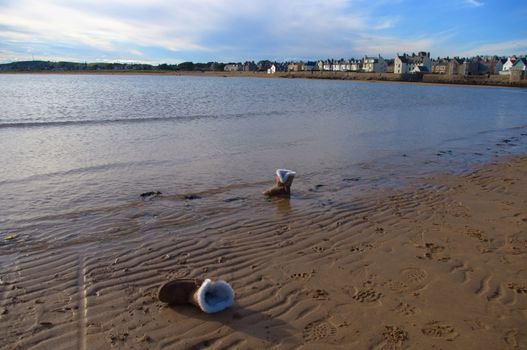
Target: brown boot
(210,296)
(178,292)
(283,181)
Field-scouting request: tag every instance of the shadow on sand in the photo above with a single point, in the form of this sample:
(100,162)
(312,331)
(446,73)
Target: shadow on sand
(252,323)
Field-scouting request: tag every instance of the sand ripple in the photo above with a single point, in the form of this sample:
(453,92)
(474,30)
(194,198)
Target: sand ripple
(440,264)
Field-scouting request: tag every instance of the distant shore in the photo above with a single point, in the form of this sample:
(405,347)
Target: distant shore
(472,80)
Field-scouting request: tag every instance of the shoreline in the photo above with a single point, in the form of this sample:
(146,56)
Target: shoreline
(427,79)
(438,263)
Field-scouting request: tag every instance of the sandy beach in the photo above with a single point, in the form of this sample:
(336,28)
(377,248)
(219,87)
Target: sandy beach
(250,175)
(438,264)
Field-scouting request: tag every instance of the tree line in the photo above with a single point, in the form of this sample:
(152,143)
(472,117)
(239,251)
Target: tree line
(22,66)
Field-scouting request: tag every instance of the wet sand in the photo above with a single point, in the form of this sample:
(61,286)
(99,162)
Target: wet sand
(439,264)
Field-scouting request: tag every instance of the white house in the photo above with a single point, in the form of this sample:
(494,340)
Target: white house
(407,64)
(341,66)
(294,67)
(422,59)
(373,64)
(508,65)
(401,65)
(355,66)
(234,67)
(327,65)
(520,64)
(271,70)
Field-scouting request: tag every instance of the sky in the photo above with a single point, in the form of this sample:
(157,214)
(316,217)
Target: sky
(155,31)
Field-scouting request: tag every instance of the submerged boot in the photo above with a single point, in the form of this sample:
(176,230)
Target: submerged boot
(283,181)
(210,296)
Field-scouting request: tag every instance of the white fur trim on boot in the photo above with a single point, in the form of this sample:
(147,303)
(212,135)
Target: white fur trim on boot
(283,174)
(214,296)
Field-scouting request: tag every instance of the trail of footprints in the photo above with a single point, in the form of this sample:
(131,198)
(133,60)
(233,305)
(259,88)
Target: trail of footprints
(409,279)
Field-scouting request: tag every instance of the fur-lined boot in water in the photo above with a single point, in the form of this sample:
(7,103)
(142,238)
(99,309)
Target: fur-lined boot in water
(283,181)
(210,296)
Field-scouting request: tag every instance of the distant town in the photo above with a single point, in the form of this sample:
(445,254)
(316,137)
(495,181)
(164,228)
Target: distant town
(402,64)
(405,65)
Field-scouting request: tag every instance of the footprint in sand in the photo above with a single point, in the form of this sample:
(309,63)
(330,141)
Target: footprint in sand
(397,286)
(300,276)
(515,244)
(485,246)
(379,229)
(517,287)
(319,294)
(433,250)
(281,230)
(476,324)
(462,271)
(367,296)
(413,275)
(411,279)
(406,309)
(316,331)
(458,210)
(318,249)
(475,233)
(440,330)
(510,338)
(394,335)
(521,218)
(179,273)
(361,247)
(285,243)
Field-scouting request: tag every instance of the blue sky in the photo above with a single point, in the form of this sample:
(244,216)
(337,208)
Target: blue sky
(155,31)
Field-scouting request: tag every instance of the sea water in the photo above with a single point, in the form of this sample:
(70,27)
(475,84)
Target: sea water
(80,149)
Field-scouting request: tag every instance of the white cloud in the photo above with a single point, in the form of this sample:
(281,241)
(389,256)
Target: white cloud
(389,45)
(502,48)
(128,26)
(60,23)
(7,56)
(135,52)
(385,23)
(475,3)
(215,29)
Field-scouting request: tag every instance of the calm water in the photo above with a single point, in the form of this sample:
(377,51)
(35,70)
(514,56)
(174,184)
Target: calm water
(75,145)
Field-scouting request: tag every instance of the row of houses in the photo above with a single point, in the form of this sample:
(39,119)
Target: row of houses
(367,64)
(420,62)
(479,65)
(250,66)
